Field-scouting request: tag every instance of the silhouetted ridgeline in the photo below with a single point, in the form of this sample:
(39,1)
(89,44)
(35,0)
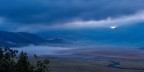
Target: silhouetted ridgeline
(12,39)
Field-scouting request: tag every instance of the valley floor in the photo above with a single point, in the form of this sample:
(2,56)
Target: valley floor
(111,60)
(96,64)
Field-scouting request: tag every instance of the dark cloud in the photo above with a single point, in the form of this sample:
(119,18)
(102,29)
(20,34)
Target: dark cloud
(57,11)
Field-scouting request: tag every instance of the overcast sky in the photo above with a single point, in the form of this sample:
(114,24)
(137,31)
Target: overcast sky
(23,15)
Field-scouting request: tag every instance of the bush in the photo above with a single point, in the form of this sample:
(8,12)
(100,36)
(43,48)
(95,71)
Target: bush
(12,61)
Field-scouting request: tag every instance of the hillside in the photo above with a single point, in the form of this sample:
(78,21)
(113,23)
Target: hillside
(13,39)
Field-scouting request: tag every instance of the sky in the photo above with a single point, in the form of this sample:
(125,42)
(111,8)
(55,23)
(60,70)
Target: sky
(43,15)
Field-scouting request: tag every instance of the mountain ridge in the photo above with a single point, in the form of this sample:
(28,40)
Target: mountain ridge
(16,39)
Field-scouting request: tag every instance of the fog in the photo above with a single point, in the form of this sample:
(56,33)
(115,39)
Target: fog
(43,50)
(71,50)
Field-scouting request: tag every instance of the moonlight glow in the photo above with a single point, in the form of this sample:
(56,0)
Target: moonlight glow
(113,27)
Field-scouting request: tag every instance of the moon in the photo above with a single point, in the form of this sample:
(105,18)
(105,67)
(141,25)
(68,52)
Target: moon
(113,27)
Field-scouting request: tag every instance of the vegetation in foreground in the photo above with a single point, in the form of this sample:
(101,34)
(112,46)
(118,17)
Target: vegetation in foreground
(12,61)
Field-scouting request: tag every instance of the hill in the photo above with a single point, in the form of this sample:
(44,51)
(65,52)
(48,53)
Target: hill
(13,39)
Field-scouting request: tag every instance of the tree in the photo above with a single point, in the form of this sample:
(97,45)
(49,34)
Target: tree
(23,64)
(12,61)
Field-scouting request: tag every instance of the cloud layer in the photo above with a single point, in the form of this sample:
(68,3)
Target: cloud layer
(24,14)
(76,24)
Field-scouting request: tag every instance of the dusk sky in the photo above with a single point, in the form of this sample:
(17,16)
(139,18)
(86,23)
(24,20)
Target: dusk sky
(74,35)
(42,15)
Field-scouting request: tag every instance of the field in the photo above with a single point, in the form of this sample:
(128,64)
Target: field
(113,59)
(96,65)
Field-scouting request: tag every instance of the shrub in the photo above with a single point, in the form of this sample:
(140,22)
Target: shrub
(12,61)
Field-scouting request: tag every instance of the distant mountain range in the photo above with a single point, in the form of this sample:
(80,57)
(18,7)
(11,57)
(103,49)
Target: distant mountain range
(13,39)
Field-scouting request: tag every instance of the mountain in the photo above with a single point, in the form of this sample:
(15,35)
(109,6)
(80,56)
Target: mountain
(57,41)
(12,39)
